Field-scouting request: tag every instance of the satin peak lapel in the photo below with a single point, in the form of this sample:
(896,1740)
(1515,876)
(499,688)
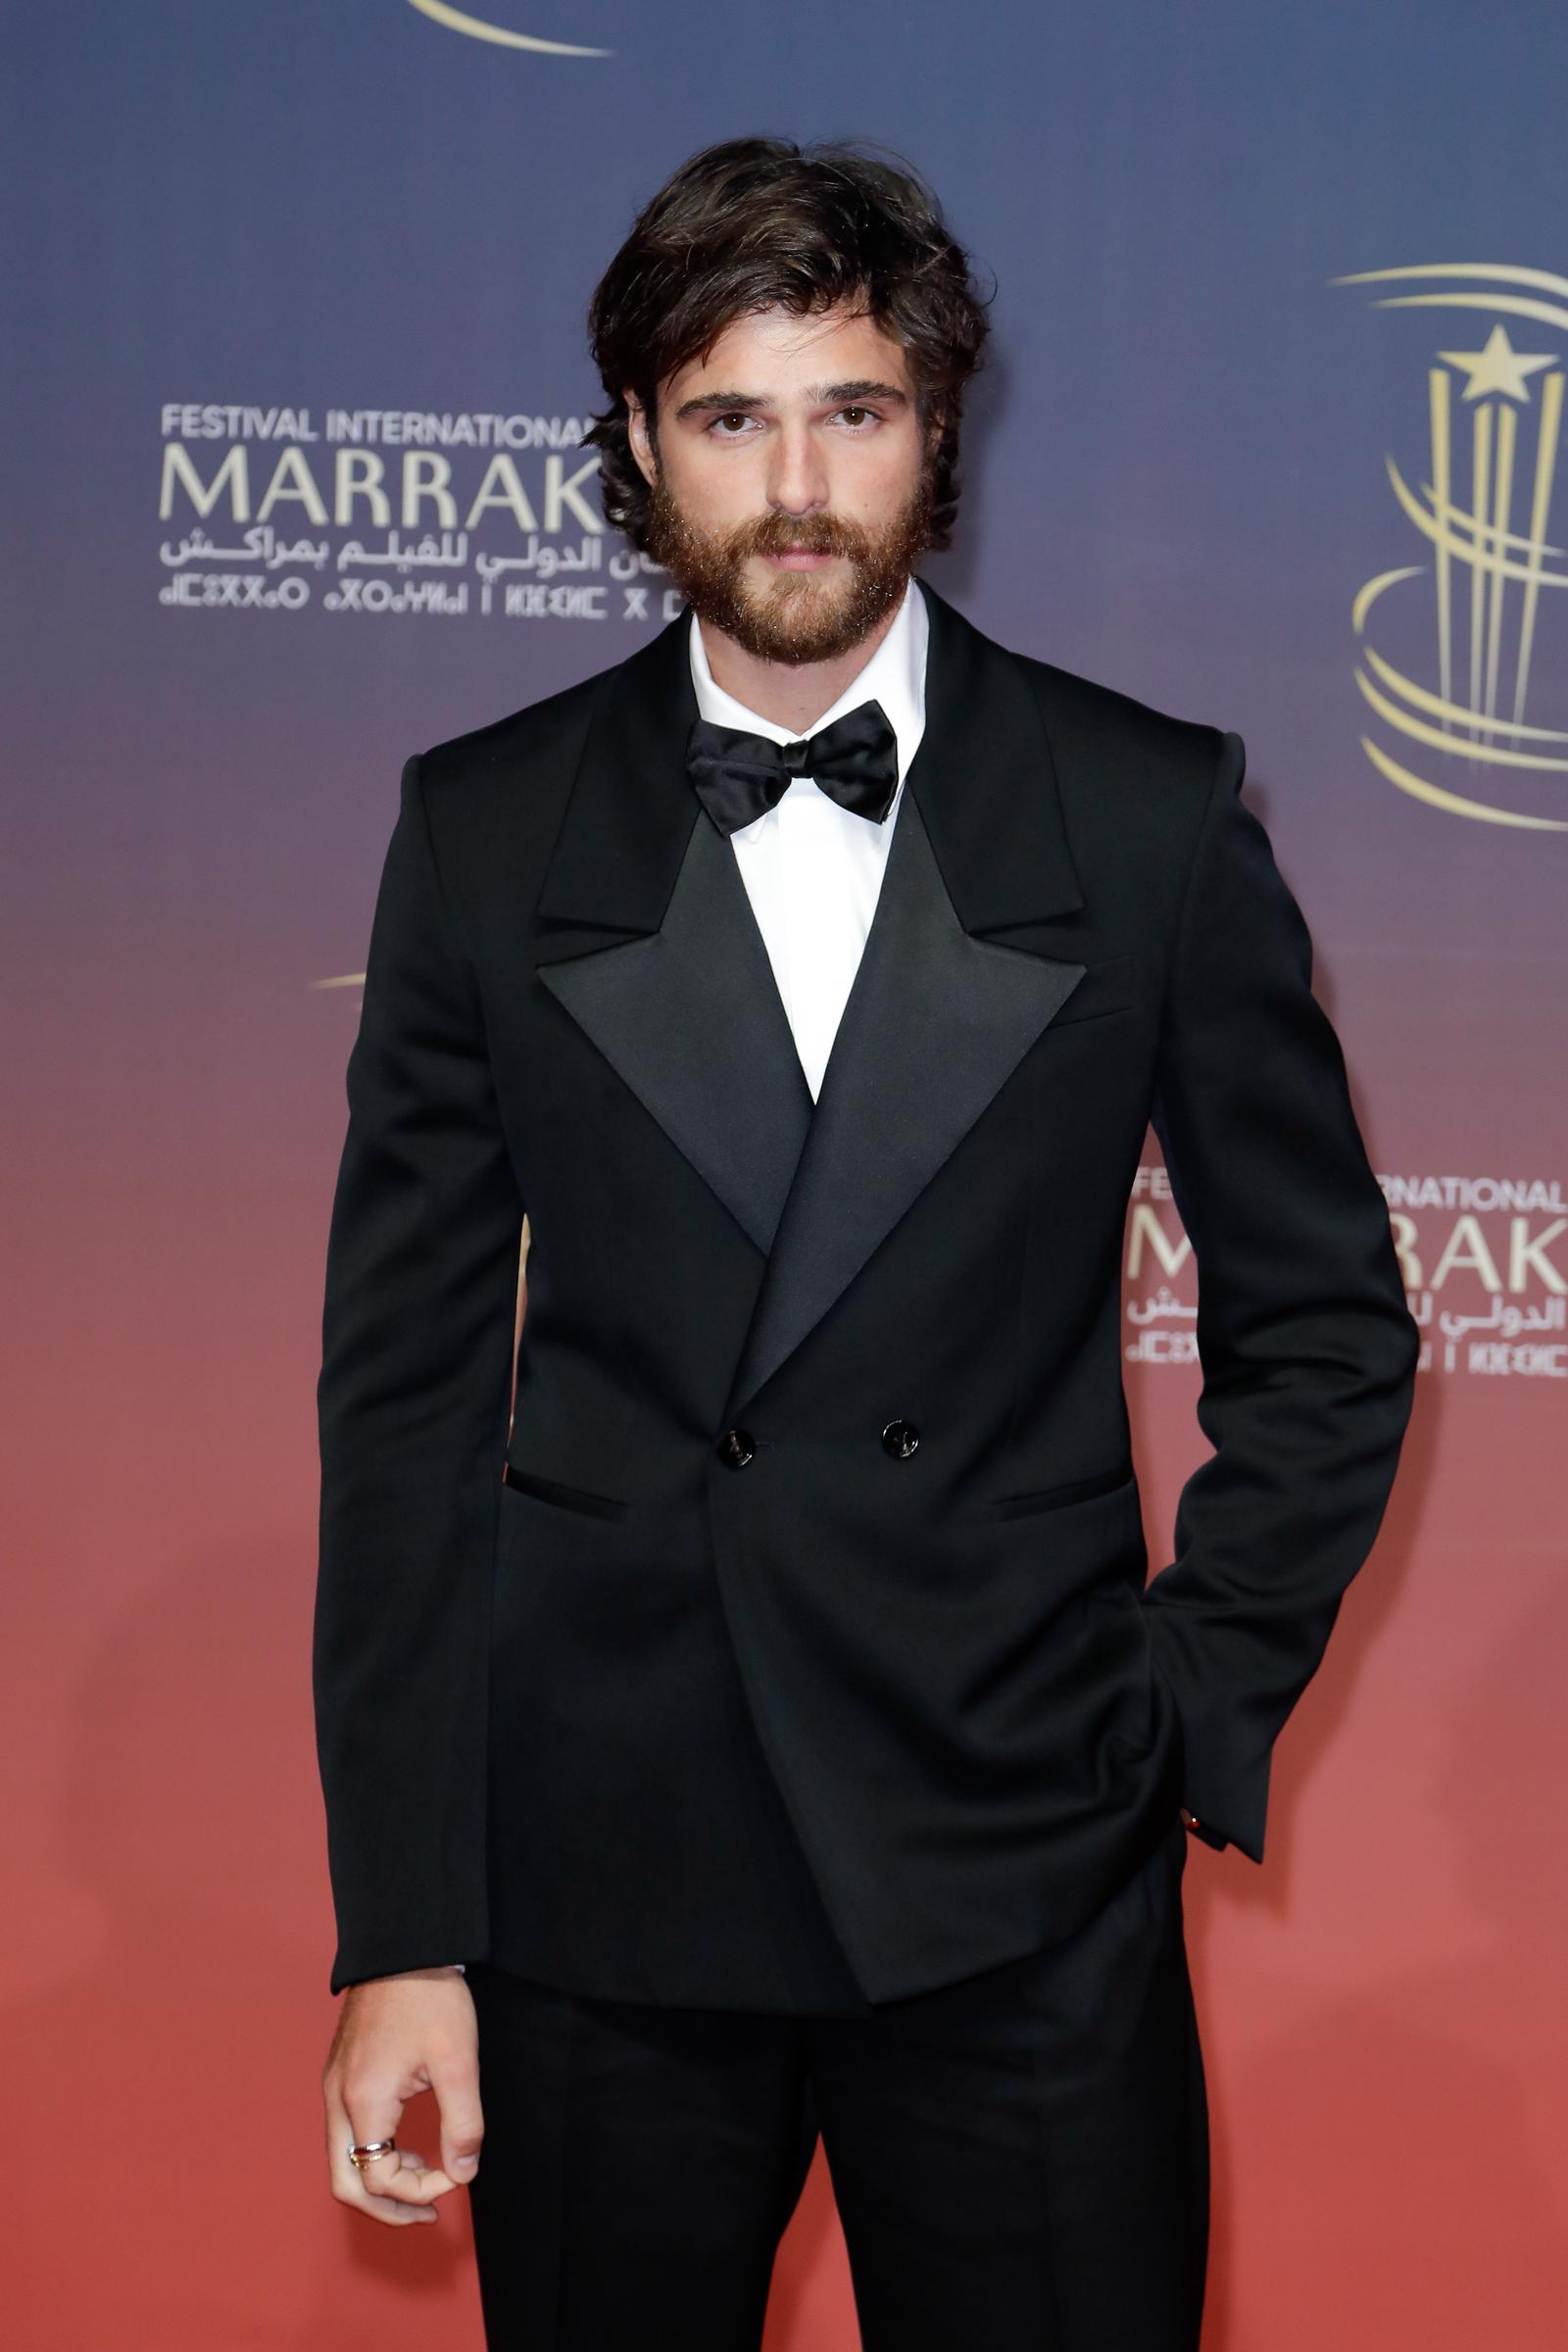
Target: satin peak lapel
(687,1010)
(939,1016)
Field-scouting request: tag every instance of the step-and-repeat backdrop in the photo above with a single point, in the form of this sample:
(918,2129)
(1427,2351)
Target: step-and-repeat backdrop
(1273,438)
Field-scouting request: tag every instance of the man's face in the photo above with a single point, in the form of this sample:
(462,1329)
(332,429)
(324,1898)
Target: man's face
(791,485)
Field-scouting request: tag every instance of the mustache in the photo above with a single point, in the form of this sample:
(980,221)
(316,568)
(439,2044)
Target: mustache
(812,535)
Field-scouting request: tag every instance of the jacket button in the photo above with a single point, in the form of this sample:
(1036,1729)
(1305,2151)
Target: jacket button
(735,1449)
(899,1439)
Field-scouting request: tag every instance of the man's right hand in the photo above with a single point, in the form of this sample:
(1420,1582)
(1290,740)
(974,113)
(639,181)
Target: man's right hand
(396,2036)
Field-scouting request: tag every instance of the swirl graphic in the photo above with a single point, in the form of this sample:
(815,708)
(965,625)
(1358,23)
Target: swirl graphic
(457,20)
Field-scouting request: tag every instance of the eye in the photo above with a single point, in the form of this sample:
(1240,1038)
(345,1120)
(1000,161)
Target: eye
(730,416)
(872,414)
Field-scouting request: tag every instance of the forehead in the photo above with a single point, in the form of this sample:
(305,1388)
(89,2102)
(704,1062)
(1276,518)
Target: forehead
(779,351)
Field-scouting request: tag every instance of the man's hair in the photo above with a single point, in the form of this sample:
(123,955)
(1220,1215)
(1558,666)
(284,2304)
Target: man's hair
(753,223)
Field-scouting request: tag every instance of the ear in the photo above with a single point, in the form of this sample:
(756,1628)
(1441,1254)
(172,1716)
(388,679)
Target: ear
(640,438)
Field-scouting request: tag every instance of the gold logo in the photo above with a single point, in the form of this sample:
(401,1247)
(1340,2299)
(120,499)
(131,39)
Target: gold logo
(1487,566)
(457,20)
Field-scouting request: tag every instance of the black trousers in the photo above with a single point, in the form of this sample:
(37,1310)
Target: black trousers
(1019,2160)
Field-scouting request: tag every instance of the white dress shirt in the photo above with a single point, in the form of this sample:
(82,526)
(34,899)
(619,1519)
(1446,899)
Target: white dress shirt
(812,869)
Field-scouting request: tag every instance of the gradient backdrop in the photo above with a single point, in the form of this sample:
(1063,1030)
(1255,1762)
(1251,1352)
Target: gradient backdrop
(1272,439)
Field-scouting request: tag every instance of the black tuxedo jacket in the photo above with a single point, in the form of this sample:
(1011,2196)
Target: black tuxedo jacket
(804,1652)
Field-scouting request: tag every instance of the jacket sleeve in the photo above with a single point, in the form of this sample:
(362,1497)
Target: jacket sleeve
(422,1262)
(1307,1348)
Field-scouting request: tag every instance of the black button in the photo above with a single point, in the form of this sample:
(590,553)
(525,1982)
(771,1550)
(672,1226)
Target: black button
(899,1439)
(736,1448)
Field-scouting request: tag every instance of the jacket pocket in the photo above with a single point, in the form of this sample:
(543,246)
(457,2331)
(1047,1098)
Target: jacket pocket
(1050,1499)
(564,1498)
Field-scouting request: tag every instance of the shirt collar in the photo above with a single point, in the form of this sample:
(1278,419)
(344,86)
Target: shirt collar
(894,677)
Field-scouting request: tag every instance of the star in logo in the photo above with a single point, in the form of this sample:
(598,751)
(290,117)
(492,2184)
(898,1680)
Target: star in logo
(1499,368)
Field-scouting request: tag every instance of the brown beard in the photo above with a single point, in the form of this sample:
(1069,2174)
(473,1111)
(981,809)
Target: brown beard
(799,617)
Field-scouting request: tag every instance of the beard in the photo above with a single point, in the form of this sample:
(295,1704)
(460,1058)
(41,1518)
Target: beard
(798,616)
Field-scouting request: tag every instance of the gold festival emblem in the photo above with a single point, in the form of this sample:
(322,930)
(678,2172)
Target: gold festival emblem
(1488,565)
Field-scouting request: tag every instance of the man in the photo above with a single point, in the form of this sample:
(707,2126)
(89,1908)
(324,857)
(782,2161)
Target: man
(771,1715)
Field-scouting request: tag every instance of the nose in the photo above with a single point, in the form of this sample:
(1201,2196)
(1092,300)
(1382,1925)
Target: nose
(797,475)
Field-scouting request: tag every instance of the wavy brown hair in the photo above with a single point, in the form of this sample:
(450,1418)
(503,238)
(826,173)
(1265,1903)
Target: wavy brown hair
(751,225)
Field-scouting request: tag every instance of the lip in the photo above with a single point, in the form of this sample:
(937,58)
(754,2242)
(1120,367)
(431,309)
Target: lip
(801,562)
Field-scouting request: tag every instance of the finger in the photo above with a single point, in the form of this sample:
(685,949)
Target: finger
(388,2208)
(454,2081)
(401,2175)
(396,2215)
(405,2179)
(382,2181)
(348,2181)
(395,2208)
(371,2116)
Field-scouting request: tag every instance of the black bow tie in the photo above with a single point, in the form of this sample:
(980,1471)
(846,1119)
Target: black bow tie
(739,776)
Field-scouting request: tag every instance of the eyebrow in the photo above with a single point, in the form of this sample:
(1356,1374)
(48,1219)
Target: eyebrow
(865,387)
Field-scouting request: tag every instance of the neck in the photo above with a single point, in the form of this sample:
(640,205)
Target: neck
(792,695)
